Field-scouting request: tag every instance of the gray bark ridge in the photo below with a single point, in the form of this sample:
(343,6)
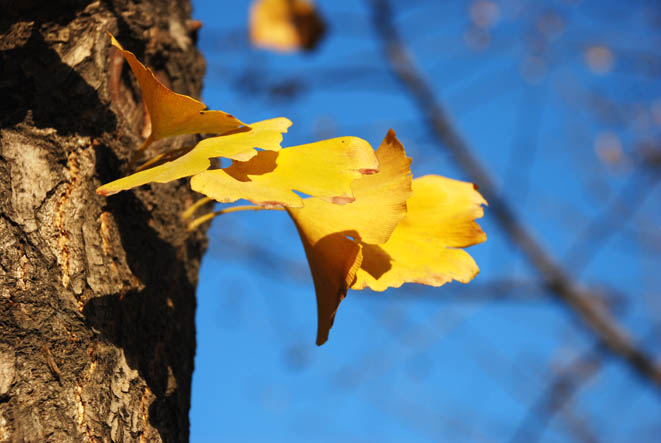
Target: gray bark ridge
(97,295)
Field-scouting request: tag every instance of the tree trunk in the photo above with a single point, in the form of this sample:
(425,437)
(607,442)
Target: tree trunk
(97,294)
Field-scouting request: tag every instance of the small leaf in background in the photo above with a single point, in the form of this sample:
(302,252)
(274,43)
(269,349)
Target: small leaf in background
(266,135)
(424,248)
(171,113)
(285,25)
(379,206)
(324,169)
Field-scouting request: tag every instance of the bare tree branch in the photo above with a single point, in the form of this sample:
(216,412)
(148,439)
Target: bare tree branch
(556,279)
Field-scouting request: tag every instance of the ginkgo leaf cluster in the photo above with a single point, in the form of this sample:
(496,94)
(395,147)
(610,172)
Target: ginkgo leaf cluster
(365,223)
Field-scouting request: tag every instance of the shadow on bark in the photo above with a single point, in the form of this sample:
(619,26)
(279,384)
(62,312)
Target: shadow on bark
(40,11)
(36,81)
(154,326)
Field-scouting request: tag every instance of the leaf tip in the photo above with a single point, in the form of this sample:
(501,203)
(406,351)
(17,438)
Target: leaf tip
(114,42)
(104,192)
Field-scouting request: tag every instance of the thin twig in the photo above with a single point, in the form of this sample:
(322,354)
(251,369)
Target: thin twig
(596,233)
(559,392)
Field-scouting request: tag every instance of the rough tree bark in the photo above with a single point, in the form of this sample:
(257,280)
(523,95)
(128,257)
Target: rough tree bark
(97,296)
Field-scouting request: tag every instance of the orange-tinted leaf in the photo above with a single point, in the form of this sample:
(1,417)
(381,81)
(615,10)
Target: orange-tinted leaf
(324,169)
(172,113)
(266,134)
(423,248)
(380,204)
(334,260)
(285,25)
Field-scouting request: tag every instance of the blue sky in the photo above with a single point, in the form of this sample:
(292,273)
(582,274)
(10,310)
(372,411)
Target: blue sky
(437,364)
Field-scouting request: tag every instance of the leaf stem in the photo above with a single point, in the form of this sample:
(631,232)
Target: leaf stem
(188,213)
(206,217)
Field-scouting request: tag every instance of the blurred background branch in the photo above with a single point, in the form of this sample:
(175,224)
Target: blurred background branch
(607,331)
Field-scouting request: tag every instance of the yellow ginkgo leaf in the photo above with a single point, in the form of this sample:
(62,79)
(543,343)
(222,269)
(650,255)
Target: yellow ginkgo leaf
(380,204)
(172,113)
(285,25)
(423,248)
(324,169)
(380,199)
(266,135)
